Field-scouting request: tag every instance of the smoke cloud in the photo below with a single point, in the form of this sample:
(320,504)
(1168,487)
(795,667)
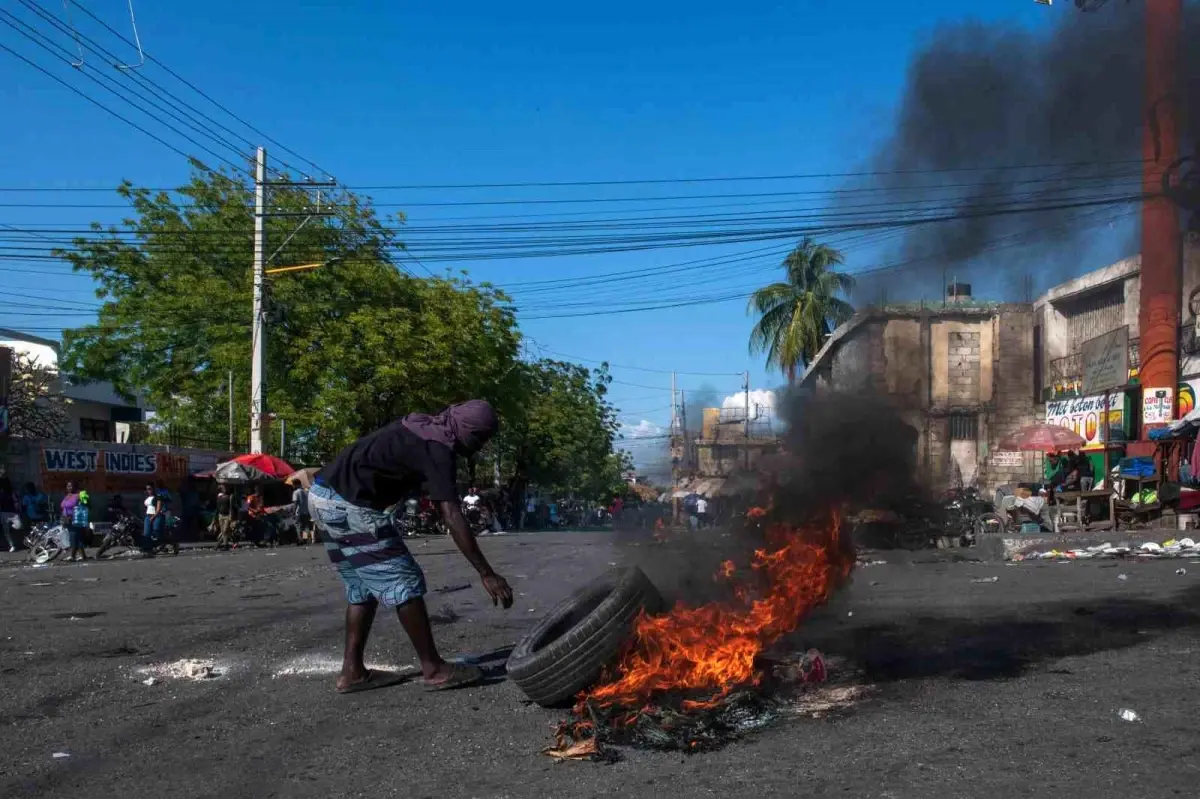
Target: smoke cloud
(988,98)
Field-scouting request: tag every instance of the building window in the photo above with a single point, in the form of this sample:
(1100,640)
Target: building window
(964,427)
(95,430)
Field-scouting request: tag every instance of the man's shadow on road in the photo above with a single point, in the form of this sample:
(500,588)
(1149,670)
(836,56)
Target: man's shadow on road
(1004,645)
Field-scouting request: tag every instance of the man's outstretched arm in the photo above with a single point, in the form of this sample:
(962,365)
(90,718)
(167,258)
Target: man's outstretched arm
(496,586)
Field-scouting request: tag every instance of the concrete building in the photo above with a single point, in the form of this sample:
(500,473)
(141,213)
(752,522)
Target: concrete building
(95,410)
(727,444)
(1091,305)
(967,375)
(1097,303)
(961,376)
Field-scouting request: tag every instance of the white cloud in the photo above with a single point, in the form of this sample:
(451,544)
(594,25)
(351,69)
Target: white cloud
(643,429)
(736,403)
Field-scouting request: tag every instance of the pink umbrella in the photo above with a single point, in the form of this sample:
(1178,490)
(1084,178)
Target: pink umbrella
(1043,437)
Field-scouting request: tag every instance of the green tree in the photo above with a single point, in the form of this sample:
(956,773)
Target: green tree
(559,434)
(796,315)
(350,345)
(36,407)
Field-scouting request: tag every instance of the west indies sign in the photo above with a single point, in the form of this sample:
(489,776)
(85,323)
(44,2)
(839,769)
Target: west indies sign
(110,470)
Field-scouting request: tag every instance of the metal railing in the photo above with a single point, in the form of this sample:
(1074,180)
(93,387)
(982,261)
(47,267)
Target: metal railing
(1064,376)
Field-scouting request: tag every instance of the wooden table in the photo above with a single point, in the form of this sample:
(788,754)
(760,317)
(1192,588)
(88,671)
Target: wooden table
(1081,500)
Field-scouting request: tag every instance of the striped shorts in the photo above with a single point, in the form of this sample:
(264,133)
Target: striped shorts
(366,549)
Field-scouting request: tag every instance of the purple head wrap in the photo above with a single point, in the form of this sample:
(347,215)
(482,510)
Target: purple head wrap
(465,427)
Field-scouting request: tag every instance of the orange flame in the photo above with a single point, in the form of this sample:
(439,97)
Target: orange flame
(711,649)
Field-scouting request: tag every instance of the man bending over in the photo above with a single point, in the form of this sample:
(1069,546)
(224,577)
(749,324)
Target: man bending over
(347,503)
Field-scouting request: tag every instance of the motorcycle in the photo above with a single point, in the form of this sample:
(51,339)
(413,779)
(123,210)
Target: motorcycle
(46,541)
(477,518)
(125,533)
(967,515)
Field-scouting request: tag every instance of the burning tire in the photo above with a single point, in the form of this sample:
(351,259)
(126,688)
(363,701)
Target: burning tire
(567,650)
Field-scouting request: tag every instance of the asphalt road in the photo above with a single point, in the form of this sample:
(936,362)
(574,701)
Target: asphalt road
(988,689)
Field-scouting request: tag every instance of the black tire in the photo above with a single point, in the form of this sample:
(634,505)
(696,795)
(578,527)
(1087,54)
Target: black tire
(566,651)
(105,545)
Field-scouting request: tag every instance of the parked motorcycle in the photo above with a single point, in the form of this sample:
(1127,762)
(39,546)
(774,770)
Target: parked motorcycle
(126,531)
(478,519)
(46,541)
(968,515)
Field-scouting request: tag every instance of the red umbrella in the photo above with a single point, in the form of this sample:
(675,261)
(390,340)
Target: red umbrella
(276,467)
(252,468)
(1043,437)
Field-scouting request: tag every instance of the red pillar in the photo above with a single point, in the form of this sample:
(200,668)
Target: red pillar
(1162,254)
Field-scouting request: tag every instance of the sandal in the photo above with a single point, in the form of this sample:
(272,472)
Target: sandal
(462,675)
(374,679)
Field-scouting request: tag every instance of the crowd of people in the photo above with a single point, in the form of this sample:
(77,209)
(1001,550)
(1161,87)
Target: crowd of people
(1068,471)
(25,509)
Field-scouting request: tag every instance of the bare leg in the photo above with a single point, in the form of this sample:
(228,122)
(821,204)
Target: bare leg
(415,620)
(358,627)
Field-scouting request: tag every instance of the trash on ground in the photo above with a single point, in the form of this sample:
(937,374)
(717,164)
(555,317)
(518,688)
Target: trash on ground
(150,681)
(449,589)
(191,669)
(826,700)
(1126,714)
(61,755)
(986,580)
(1151,550)
(1122,576)
(1181,571)
(580,750)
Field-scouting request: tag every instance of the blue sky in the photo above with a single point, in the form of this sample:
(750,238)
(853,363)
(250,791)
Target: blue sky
(400,93)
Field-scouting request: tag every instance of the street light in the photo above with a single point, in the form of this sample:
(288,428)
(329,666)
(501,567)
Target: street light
(298,267)
(258,339)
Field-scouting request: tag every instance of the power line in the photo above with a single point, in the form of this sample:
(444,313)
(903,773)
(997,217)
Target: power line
(201,92)
(138,79)
(641,368)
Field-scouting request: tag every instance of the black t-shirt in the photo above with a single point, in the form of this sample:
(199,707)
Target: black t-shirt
(223,505)
(390,465)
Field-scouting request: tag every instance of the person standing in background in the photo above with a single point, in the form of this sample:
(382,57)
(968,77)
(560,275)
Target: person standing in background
(224,520)
(701,513)
(304,527)
(150,503)
(35,507)
(74,512)
(9,519)
(256,513)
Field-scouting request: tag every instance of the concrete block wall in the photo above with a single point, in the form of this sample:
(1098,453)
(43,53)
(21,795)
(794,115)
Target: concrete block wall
(1014,405)
(963,374)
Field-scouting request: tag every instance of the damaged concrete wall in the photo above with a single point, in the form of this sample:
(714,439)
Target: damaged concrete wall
(1014,404)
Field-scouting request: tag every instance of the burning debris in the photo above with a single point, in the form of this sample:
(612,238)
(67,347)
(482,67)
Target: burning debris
(694,678)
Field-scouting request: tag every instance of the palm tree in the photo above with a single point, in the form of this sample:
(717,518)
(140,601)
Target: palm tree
(798,314)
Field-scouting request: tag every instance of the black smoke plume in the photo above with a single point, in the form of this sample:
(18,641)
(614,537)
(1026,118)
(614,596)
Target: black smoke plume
(840,452)
(989,98)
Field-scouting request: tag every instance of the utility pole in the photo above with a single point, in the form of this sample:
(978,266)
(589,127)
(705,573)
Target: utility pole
(258,364)
(746,422)
(683,429)
(232,437)
(673,417)
(1162,256)
(283,438)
